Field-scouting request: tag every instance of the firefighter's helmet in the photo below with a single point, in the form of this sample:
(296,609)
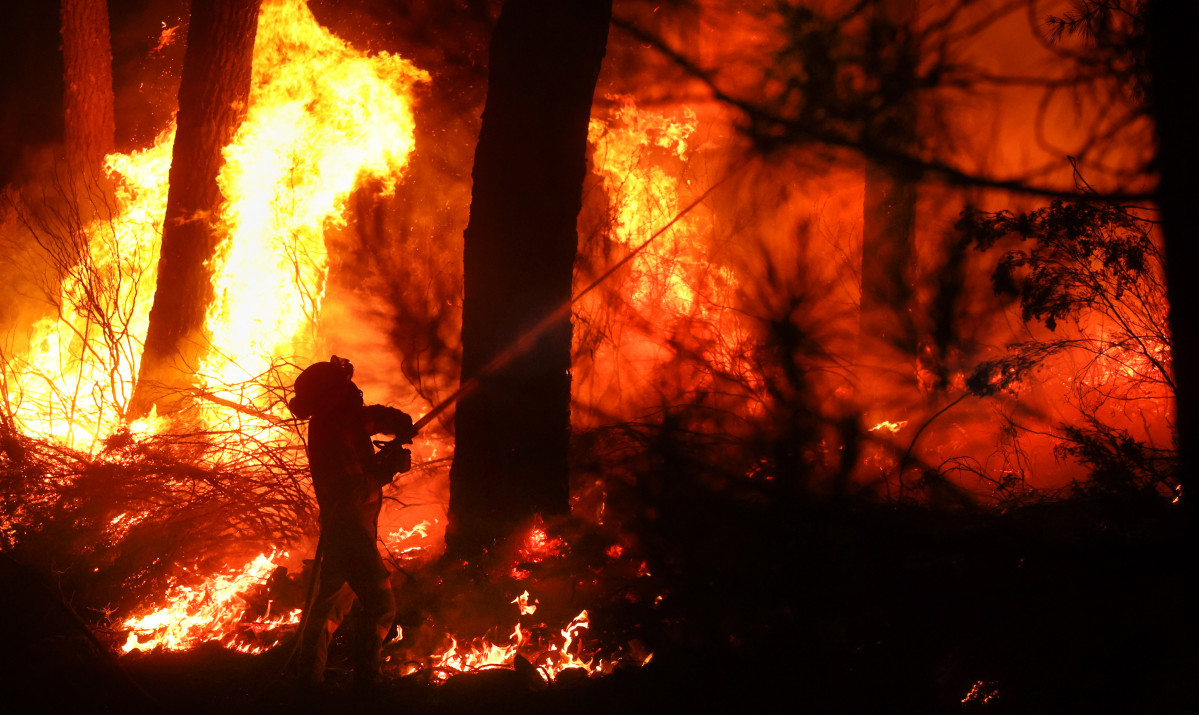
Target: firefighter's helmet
(323,386)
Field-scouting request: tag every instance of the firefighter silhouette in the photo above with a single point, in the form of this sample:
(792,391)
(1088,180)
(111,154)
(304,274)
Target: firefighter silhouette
(348,480)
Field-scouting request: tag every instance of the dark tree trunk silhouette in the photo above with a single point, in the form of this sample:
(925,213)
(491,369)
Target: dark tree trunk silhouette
(1173,64)
(888,334)
(513,431)
(87,71)
(213,92)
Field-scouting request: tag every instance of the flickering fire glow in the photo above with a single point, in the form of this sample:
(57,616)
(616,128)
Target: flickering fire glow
(74,379)
(522,602)
(560,653)
(213,610)
(322,117)
(675,287)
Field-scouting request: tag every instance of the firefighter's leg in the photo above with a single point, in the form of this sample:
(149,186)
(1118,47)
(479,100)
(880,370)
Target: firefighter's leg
(333,601)
(371,628)
(369,579)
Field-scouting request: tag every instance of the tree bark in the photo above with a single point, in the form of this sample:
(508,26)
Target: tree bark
(888,333)
(213,92)
(513,430)
(1173,63)
(88,99)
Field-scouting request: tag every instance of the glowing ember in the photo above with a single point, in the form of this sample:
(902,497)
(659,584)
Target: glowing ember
(522,602)
(560,653)
(165,39)
(120,524)
(892,427)
(982,692)
(539,546)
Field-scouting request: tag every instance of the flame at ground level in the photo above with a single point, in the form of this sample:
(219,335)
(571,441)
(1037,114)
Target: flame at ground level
(219,610)
(213,610)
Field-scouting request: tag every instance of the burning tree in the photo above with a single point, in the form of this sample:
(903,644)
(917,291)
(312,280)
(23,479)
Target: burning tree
(852,81)
(227,468)
(212,99)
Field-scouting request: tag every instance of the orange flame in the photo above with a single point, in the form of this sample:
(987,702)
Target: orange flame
(211,611)
(643,160)
(321,118)
(550,660)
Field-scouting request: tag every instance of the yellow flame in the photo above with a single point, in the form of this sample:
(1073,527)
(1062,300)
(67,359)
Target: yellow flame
(643,196)
(73,381)
(401,534)
(480,654)
(211,611)
(642,159)
(892,427)
(565,659)
(522,602)
(551,660)
(322,117)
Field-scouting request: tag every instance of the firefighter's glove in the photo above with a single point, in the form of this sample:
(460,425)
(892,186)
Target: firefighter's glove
(390,460)
(400,424)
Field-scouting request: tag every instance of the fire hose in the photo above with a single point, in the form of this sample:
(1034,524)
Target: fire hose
(392,452)
(523,343)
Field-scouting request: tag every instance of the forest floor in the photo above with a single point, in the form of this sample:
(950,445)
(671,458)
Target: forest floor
(1067,606)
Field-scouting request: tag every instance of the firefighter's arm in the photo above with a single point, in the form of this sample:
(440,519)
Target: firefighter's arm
(391,458)
(381,419)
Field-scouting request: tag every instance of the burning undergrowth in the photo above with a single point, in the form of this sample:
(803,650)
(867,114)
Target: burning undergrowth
(117,524)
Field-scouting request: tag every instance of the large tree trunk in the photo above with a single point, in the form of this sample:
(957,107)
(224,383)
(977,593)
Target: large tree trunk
(87,101)
(888,333)
(213,92)
(1173,65)
(513,431)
